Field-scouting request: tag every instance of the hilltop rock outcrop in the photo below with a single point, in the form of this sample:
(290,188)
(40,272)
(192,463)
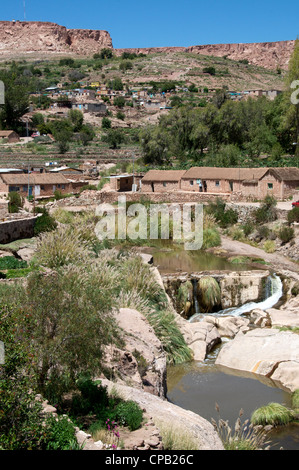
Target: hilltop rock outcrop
(270,55)
(19,38)
(26,37)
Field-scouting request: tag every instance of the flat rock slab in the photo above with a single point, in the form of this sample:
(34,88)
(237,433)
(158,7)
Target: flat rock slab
(172,416)
(265,352)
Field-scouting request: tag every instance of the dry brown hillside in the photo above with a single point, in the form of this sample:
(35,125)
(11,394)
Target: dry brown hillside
(21,39)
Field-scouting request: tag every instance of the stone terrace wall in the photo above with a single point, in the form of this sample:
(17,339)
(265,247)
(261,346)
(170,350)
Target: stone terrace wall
(17,229)
(171,197)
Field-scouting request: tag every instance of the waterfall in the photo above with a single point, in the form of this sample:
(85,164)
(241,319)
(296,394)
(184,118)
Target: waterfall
(195,299)
(273,292)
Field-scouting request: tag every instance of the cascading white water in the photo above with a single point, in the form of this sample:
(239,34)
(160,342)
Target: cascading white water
(274,291)
(196,303)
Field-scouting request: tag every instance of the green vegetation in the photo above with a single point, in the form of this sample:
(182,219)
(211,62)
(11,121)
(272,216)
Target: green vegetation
(54,315)
(15,202)
(10,262)
(267,210)
(293,215)
(243,436)
(223,217)
(273,413)
(209,293)
(44,223)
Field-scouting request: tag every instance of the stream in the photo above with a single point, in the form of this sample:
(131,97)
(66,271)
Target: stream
(198,386)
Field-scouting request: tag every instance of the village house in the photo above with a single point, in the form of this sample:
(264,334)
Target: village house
(9,136)
(95,107)
(123,183)
(251,183)
(162,181)
(34,184)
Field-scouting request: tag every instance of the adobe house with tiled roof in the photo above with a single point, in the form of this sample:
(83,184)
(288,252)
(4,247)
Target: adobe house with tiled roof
(162,181)
(9,136)
(250,182)
(38,184)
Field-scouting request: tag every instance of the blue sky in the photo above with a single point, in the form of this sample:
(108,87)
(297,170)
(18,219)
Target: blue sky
(168,23)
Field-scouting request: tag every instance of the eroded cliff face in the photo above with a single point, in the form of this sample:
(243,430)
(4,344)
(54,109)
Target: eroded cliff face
(271,55)
(21,38)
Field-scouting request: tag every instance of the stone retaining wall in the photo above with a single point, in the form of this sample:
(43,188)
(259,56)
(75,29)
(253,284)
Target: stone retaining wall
(17,229)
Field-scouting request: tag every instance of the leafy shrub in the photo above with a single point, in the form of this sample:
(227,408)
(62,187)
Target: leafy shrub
(247,228)
(267,211)
(106,123)
(10,262)
(263,231)
(60,433)
(286,234)
(269,246)
(44,223)
(15,202)
(223,217)
(293,215)
(129,414)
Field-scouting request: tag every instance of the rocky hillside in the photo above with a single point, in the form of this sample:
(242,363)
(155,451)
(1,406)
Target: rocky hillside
(269,55)
(22,38)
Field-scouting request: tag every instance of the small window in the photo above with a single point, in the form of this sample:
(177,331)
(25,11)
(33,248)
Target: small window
(217,183)
(191,183)
(42,188)
(270,185)
(164,184)
(25,189)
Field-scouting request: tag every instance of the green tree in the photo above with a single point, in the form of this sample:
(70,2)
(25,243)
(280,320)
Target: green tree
(87,134)
(114,138)
(76,118)
(106,123)
(68,312)
(119,101)
(62,131)
(155,144)
(16,100)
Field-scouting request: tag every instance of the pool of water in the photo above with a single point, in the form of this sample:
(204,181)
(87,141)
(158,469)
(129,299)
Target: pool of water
(198,386)
(170,260)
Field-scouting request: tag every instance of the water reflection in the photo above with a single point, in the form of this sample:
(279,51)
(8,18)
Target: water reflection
(198,386)
(174,260)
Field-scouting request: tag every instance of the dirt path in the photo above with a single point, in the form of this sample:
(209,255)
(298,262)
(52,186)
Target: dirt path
(235,247)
